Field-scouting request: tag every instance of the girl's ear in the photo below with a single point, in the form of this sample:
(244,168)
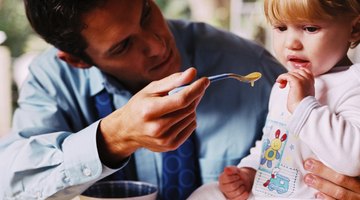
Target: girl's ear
(73,60)
(355,33)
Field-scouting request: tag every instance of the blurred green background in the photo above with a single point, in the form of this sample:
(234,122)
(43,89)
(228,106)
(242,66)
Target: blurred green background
(21,39)
(19,44)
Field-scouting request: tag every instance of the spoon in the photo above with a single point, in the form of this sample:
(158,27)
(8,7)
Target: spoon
(250,78)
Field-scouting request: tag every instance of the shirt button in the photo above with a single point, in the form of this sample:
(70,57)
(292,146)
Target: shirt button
(86,171)
(66,179)
(38,195)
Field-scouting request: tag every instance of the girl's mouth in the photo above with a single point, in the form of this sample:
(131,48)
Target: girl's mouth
(298,62)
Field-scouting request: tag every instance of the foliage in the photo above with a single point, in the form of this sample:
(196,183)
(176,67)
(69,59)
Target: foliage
(174,8)
(14,23)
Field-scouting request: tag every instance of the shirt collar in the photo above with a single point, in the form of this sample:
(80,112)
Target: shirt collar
(96,81)
(100,81)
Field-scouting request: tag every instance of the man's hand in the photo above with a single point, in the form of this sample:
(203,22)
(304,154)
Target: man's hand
(236,183)
(152,119)
(330,184)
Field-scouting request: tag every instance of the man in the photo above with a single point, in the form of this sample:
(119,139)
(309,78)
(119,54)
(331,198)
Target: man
(66,139)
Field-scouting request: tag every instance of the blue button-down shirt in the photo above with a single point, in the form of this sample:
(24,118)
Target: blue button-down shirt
(52,149)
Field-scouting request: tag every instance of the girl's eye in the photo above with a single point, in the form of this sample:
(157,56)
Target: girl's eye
(280,28)
(311,29)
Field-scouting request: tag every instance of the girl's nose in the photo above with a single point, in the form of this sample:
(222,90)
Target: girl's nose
(293,42)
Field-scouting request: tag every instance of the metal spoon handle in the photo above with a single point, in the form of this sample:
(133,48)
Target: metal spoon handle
(176,90)
(217,78)
(211,79)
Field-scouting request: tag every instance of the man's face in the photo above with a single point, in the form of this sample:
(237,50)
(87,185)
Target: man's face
(130,40)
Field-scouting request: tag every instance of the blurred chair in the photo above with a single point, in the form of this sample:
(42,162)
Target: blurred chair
(5,90)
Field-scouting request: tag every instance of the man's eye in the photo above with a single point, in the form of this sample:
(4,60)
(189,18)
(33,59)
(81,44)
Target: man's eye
(311,29)
(146,12)
(121,48)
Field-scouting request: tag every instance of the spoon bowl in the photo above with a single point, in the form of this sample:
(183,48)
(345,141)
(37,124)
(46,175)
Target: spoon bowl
(250,78)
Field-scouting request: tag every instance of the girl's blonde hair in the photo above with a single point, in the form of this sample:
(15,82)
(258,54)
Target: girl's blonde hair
(277,11)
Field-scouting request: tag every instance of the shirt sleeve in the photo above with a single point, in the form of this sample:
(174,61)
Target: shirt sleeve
(252,160)
(52,148)
(333,135)
(43,165)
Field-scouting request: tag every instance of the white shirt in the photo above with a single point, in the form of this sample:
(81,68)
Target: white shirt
(325,127)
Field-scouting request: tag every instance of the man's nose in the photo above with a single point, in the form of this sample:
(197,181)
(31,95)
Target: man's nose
(153,44)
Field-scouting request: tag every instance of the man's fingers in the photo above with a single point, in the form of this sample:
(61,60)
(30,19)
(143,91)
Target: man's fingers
(183,98)
(163,86)
(329,188)
(175,121)
(323,196)
(331,183)
(170,144)
(319,169)
(175,80)
(184,129)
(154,106)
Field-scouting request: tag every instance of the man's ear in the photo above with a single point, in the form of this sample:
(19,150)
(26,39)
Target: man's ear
(73,60)
(355,33)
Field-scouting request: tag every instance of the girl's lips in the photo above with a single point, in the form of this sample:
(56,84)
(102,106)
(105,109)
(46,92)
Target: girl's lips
(298,62)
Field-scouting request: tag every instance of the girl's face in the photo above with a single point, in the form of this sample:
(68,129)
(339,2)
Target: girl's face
(318,45)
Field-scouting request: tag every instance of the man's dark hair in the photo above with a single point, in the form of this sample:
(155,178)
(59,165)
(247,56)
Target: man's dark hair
(59,22)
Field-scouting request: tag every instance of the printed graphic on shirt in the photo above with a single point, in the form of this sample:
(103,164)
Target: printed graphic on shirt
(272,149)
(274,177)
(280,183)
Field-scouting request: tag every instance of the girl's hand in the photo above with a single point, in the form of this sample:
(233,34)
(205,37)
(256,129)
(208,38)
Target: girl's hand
(236,183)
(301,82)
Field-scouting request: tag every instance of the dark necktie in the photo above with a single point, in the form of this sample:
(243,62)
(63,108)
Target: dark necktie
(180,171)
(180,167)
(104,106)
